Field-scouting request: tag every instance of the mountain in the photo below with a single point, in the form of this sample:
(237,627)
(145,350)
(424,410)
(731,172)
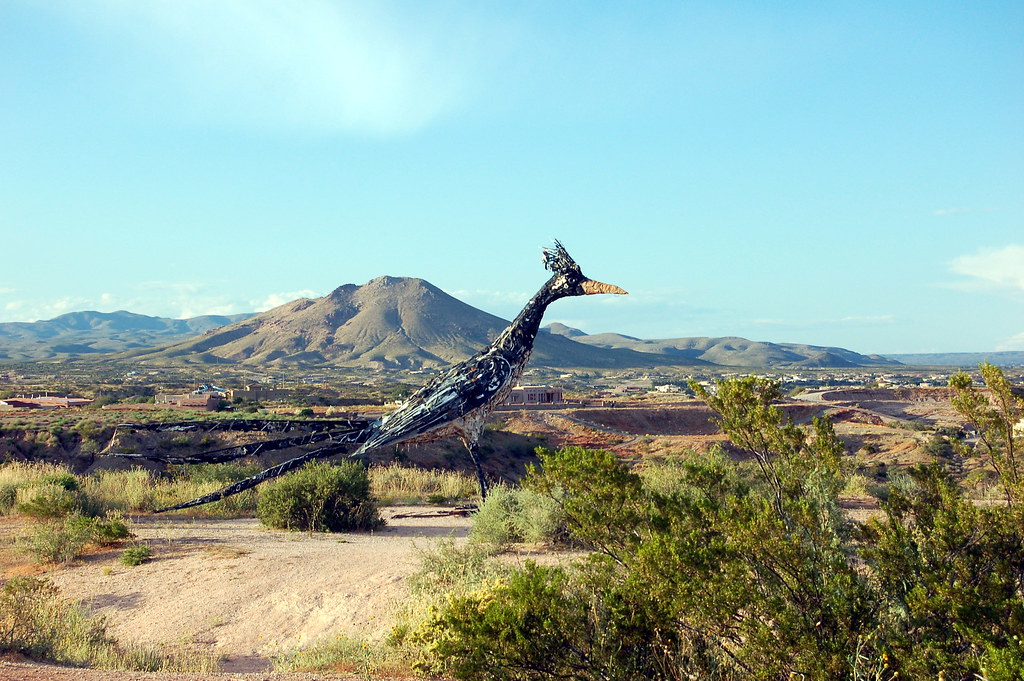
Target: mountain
(84,333)
(729,351)
(390,322)
(969,360)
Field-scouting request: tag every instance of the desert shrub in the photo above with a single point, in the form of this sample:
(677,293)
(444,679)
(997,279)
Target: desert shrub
(110,529)
(46,491)
(63,479)
(953,574)
(138,490)
(515,514)
(23,474)
(58,541)
(727,571)
(90,429)
(8,497)
(61,540)
(135,555)
(495,520)
(530,626)
(664,476)
(447,570)
(720,574)
(540,519)
(35,621)
(858,485)
(47,501)
(321,497)
(996,415)
(983,484)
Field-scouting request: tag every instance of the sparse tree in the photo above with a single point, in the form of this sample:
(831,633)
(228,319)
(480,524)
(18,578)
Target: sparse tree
(997,415)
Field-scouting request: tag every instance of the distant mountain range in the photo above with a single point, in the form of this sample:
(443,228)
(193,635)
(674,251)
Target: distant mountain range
(961,359)
(390,322)
(86,333)
(730,350)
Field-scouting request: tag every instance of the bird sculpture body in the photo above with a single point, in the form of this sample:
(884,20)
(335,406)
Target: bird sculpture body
(457,402)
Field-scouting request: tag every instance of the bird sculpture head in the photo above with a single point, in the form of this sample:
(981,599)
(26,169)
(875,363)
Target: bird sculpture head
(568,280)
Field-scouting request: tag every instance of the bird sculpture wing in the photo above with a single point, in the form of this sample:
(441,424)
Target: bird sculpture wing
(451,396)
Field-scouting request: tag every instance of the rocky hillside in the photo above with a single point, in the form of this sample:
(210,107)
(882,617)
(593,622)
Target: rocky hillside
(391,322)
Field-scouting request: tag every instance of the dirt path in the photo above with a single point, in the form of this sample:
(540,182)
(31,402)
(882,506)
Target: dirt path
(246,593)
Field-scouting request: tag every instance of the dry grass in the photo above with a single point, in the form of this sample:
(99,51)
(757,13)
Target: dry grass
(394,484)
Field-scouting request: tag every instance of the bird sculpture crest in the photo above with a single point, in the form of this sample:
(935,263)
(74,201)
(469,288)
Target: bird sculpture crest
(455,403)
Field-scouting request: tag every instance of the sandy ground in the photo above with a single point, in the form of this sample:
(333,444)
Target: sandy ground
(246,593)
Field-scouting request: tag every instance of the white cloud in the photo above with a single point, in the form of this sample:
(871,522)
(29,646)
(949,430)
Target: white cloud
(32,311)
(378,67)
(1012,343)
(275,299)
(503,304)
(869,319)
(861,320)
(949,212)
(993,268)
(178,300)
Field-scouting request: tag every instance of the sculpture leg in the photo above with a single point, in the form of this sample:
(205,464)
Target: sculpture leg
(474,453)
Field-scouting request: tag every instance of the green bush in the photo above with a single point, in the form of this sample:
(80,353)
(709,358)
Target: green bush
(63,479)
(731,571)
(952,574)
(511,515)
(495,520)
(540,519)
(320,497)
(716,574)
(8,497)
(135,555)
(61,540)
(58,541)
(531,626)
(48,501)
(110,529)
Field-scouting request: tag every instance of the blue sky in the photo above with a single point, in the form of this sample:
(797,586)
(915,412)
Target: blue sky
(845,174)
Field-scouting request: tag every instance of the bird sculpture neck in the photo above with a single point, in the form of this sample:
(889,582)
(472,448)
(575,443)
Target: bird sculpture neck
(516,341)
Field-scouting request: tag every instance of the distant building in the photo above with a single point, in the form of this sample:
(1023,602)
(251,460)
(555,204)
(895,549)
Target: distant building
(255,391)
(44,402)
(208,401)
(534,395)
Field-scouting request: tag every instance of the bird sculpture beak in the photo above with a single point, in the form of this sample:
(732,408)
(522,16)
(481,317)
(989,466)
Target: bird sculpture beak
(591,287)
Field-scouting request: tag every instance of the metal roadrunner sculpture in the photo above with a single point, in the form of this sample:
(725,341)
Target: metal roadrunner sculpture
(455,403)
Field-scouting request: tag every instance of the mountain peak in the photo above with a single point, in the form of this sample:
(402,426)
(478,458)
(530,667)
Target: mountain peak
(389,322)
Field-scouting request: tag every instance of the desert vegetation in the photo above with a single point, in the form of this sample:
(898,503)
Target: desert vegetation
(696,565)
(706,569)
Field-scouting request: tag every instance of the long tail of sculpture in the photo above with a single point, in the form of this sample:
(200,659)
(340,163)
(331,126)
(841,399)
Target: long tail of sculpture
(263,476)
(339,435)
(239,451)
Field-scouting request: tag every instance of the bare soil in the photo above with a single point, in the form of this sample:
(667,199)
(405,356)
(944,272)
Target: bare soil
(244,592)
